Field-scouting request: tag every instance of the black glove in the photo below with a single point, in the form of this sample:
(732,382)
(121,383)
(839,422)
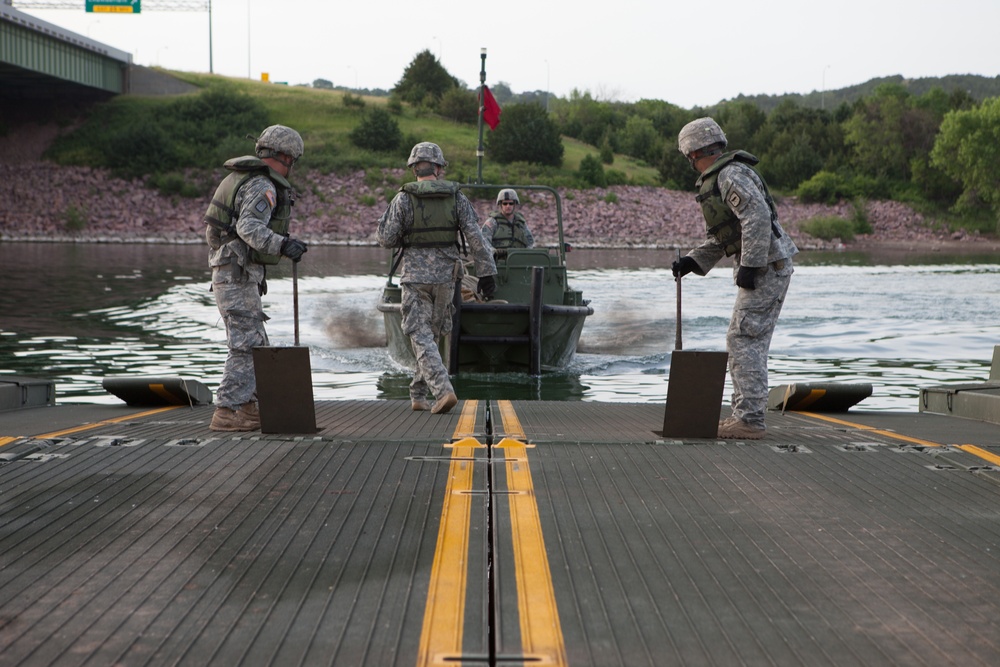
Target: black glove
(293,249)
(487,286)
(683,266)
(746,277)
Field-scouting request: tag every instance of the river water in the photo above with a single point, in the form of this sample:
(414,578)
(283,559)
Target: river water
(77,313)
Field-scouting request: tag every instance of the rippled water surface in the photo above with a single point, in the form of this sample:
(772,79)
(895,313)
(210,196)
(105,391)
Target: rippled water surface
(77,313)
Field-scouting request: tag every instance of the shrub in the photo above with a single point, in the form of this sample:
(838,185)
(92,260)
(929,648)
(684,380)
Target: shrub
(824,187)
(136,136)
(377,131)
(592,171)
(615,177)
(829,228)
(75,218)
(859,221)
(141,149)
(526,134)
(611,198)
(353,101)
(174,183)
(459,105)
(607,153)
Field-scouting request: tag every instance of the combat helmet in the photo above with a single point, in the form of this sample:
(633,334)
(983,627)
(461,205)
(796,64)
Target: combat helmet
(279,139)
(699,133)
(425,151)
(507,195)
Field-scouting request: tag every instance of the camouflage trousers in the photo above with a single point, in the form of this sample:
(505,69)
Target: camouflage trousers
(748,340)
(427,314)
(238,300)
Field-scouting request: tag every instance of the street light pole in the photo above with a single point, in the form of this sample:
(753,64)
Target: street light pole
(211,69)
(547,85)
(822,98)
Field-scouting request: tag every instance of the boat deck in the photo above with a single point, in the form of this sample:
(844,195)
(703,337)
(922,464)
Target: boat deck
(504,533)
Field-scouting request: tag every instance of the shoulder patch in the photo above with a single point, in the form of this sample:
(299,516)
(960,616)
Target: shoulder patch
(734,199)
(261,206)
(270,197)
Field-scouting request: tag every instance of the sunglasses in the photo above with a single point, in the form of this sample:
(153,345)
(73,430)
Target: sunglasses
(506,203)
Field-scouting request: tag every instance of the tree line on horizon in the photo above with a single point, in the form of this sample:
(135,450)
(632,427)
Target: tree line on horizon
(930,142)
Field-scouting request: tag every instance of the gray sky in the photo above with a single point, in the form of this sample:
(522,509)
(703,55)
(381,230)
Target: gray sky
(687,53)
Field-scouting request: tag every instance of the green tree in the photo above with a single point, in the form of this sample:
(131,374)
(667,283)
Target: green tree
(424,77)
(675,171)
(592,171)
(887,131)
(968,150)
(377,131)
(742,122)
(640,139)
(459,105)
(526,133)
(795,142)
(584,118)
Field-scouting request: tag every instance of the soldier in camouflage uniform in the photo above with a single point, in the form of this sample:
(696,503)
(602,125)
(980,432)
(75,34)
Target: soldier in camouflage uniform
(506,227)
(247,228)
(742,222)
(425,221)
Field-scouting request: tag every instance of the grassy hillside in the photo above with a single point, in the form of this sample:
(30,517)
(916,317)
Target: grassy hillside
(324,120)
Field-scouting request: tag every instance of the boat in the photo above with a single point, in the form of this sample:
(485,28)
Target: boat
(534,321)
(533,324)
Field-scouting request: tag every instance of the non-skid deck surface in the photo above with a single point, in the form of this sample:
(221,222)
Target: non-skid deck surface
(503,533)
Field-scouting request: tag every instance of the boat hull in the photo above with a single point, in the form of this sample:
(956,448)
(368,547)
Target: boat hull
(501,333)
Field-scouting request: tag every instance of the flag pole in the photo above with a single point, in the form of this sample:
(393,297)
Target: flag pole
(482,105)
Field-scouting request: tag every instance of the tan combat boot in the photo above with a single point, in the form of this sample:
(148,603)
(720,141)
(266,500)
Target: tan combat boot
(737,429)
(419,404)
(445,403)
(226,419)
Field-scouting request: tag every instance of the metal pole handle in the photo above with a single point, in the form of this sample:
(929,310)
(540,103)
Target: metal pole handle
(678,344)
(295,299)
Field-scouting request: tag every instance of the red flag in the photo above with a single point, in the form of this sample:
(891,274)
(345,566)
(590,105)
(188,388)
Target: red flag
(491,110)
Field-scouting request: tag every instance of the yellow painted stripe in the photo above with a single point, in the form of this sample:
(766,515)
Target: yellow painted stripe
(4,440)
(511,424)
(466,427)
(971,449)
(870,429)
(541,633)
(87,427)
(441,637)
(162,392)
(981,453)
(814,395)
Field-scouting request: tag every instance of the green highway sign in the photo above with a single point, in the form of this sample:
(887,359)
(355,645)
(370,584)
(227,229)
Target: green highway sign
(114,6)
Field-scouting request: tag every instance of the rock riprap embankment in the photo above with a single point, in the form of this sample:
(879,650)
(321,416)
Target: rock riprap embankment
(44,201)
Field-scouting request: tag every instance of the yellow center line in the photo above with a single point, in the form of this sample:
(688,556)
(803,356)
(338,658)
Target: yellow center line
(466,427)
(971,449)
(441,637)
(541,633)
(105,422)
(511,424)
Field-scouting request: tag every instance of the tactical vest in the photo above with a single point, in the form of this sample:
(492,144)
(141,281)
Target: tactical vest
(221,215)
(720,222)
(435,214)
(510,234)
